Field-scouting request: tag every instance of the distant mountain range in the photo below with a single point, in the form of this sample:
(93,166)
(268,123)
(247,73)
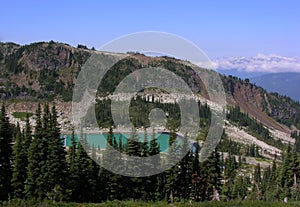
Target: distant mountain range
(282,83)
(273,72)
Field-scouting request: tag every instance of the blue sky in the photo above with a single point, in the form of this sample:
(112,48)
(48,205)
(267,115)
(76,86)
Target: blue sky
(219,28)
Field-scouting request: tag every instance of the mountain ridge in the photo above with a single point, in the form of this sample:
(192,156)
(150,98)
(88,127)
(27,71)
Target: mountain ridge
(48,71)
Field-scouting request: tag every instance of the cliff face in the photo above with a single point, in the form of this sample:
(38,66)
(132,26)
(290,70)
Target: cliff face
(48,71)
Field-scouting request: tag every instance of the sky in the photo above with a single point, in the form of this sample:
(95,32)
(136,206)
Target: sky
(221,28)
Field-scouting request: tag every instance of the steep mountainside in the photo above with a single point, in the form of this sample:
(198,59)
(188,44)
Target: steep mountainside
(48,70)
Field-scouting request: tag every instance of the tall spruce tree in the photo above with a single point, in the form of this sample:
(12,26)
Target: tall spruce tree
(20,159)
(172,173)
(82,192)
(286,172)
(240,188)
(19,165)
(229,176)
(72,168)
(46,158)
(185,165)
(133,149)
(272,188)
(154,187)
(145,187)
(27,137)
(211,175)
(55,159)
(265,182)
(34,159)
(43,185)
(5,155)
(256,189)
(195,174)
(108,190)
(94,180)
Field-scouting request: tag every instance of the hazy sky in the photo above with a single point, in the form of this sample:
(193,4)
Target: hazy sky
(219,28)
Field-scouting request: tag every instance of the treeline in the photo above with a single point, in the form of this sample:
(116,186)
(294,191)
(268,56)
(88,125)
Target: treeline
(140,108)
(37,166)
(253,126)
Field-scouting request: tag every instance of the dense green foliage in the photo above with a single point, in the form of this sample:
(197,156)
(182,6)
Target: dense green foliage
(46,159)
(17,203)
(139,110)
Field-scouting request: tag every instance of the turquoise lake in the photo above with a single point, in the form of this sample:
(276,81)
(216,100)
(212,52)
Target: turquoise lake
(99,140)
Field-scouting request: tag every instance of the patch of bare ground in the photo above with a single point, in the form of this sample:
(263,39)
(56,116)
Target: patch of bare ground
(239,135)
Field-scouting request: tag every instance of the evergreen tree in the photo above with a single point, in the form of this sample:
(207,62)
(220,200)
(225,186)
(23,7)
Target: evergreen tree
(239,190)
(27,137)
(256,189)
(72,168)
(286,172)
(195,174)
(211,175)
(146,182)
(229,176)
(19,165)
(43,147)
(134,150)
(46,158)
(5,155)
(145,145)
(26,144)
(154,189)
(265,182)
(34,159)
(83,191)
(55,159)
(154,150)
(257,174)
(108,187)
(185,165)
(120,186)
(94,180)
(172,173)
